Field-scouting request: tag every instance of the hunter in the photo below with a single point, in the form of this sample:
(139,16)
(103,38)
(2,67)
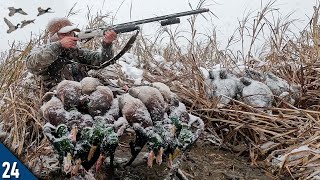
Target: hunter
(62,59)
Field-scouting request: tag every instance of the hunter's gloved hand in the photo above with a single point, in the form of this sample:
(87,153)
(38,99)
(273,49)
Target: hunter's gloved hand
(109,36)
(69,42)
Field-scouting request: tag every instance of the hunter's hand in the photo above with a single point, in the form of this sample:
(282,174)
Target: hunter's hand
(109,36)
(69,42)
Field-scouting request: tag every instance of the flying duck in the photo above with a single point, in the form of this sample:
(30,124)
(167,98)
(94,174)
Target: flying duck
(43,11)
(10,25)
(14,10)
(26,22)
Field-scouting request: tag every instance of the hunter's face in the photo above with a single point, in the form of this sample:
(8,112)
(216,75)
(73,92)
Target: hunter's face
(70,34)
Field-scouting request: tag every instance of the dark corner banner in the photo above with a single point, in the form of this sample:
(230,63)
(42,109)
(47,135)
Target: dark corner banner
(11,167)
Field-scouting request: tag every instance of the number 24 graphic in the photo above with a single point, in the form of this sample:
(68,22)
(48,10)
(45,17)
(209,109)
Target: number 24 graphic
(14,171)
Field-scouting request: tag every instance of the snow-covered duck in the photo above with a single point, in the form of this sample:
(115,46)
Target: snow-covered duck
(138,117)
(69,92)
(256,94)
(100,101)
(53,111)
(220,83)
(152,99)
(281,88)
(89,84)
(169,97)
(112,114)
(168,145)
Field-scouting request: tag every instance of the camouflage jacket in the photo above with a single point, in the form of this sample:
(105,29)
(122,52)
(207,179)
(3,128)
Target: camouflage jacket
(52,62)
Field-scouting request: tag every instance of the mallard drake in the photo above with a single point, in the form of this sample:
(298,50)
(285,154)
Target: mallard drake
(54,112)
(11,26)
(169,97)
(155,146)
(89,84)
(69,92)
(134,111)
(152,99)
(138,117)
(168,145)
(179,112)
(100,101)
(108,147)
(14,11)
(43,11)
(99,140)
(59,137)
(26,22)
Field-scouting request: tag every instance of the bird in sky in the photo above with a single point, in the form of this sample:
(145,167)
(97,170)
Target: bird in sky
(11,26)
(26,22)
(43,11)
(14,11)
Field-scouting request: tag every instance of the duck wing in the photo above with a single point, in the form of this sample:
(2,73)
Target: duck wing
(8,22)
(27,21)
(22,12)
(24,23)
(12,11)
(40,9)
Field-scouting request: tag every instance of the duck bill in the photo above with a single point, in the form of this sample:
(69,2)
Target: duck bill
(76,168)
(73,134)
(159,156)
(173,130)
(67,163)
(100,162)
(91,152)
(170,161)
(177,151)
(150,158)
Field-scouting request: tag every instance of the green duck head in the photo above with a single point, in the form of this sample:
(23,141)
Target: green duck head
(99,131)
(111,136)
(185,138)
(62,130)
(176,121)
(155,141)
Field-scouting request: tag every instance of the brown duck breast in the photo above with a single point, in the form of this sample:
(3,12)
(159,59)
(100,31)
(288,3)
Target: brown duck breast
(152,99)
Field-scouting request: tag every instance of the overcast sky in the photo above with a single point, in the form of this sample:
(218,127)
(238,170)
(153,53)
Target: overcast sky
(227,11)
